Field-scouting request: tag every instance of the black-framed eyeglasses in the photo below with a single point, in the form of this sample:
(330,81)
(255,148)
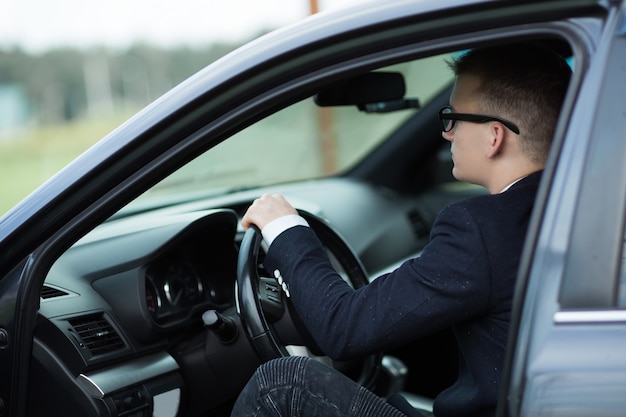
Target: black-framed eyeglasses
(448,119)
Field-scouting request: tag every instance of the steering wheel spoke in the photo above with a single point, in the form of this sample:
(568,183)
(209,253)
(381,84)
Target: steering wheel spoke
(271,298)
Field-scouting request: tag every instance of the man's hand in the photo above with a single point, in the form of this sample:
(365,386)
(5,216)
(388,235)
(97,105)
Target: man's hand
(265,209)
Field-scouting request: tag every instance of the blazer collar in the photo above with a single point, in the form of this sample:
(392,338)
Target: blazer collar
(531,179)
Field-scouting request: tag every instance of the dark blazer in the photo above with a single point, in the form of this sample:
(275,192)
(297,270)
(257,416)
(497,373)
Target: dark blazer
(463,279)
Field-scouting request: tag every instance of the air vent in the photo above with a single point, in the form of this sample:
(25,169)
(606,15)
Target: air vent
(49,292)
(97,335)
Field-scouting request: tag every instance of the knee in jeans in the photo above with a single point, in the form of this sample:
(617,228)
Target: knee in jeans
(296,371)
(287,369)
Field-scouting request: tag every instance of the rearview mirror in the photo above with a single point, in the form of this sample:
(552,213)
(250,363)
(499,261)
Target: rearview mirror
(374,92)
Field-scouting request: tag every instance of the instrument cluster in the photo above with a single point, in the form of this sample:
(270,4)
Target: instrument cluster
(172,288)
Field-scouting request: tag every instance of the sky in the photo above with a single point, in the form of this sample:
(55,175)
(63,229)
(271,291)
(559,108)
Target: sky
(38,25)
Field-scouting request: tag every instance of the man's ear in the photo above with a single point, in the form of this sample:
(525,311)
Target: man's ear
(497,132)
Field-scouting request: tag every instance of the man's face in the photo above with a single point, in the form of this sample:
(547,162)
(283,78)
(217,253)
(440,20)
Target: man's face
(467,139)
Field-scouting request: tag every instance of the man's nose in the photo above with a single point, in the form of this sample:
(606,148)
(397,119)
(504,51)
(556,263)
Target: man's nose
(448,135)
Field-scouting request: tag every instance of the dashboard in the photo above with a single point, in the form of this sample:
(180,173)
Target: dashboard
(120,330)
(151,274)
(120,312)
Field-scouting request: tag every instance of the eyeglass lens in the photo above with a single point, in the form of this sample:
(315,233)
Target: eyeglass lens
(447,124)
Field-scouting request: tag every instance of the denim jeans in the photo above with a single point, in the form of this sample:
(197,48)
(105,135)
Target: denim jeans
(299,386)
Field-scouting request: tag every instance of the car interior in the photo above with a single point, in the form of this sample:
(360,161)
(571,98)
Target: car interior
(165,308)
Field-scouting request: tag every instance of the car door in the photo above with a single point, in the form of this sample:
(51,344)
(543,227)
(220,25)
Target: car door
(568,353)
(95,186)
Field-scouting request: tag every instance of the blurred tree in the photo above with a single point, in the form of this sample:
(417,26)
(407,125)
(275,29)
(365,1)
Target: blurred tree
(65,84)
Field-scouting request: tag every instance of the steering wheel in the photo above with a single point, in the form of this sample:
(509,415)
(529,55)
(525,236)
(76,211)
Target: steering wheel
(269,318)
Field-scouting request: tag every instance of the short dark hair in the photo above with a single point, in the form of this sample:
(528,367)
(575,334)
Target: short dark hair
(525,83)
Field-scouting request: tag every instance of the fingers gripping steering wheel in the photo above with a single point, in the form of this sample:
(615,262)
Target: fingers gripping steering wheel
(268,317)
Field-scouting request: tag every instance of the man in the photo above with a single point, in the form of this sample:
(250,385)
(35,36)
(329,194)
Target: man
(500,122)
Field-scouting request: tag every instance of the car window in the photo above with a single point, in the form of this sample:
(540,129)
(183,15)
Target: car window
(302,141)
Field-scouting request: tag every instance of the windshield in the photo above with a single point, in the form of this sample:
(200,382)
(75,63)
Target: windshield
(300,142)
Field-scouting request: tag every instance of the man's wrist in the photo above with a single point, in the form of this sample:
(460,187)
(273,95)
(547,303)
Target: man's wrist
(279,225)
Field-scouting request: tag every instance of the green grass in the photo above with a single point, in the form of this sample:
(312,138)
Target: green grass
(31,156)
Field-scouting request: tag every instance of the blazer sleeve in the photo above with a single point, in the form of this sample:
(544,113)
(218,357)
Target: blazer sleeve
(449,282)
